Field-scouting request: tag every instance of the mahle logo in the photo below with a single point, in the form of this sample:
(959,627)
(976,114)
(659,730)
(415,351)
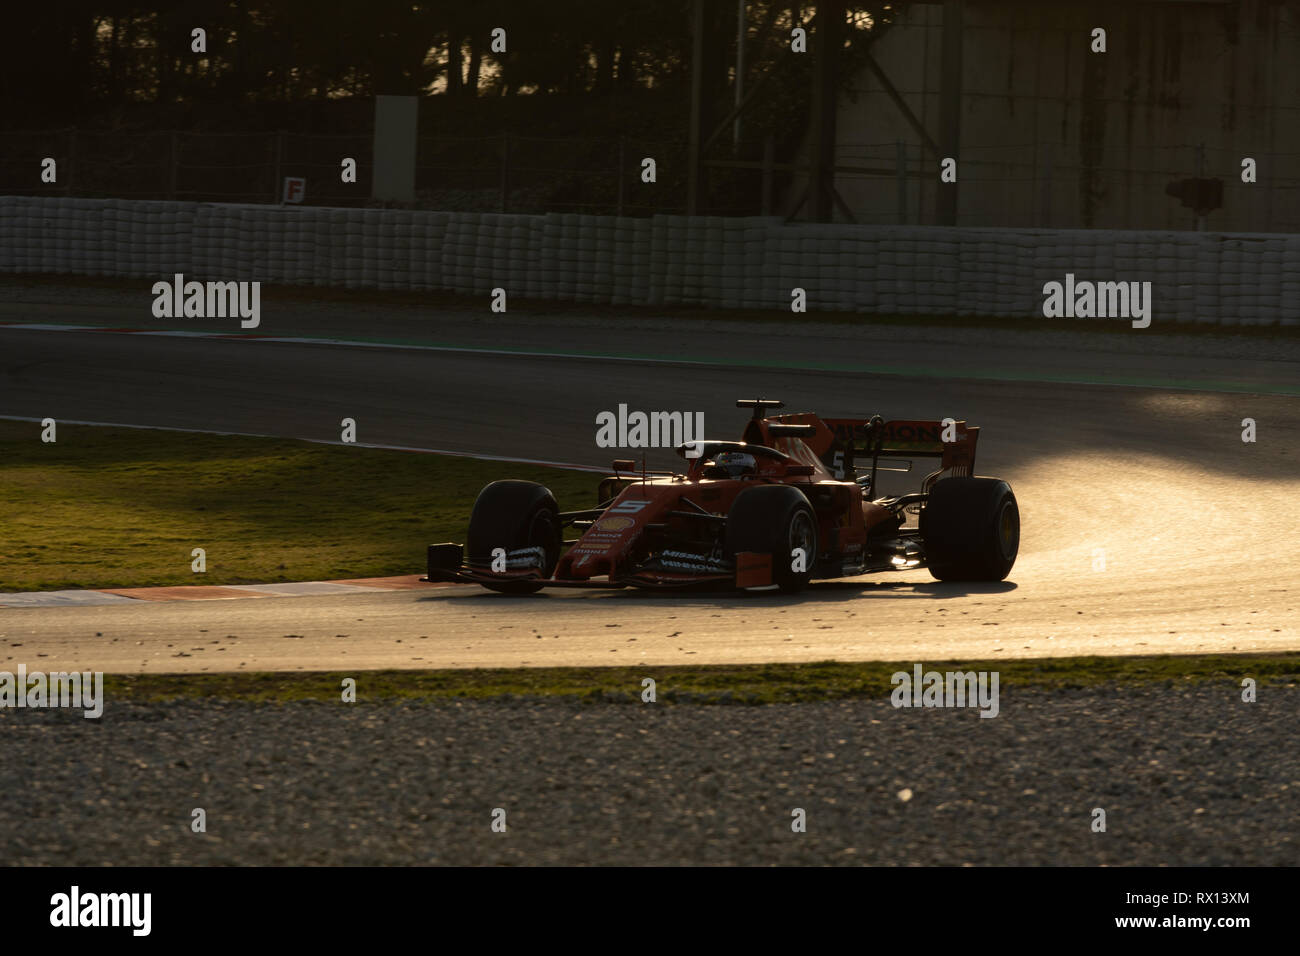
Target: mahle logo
(624,429)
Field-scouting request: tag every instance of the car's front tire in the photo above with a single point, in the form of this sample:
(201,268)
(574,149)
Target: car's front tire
(775,520)
(514,515)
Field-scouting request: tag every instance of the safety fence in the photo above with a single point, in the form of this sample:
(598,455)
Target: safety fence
(753,263)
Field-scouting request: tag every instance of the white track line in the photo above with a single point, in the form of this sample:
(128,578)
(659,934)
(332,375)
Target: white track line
(349,343)
(321,441)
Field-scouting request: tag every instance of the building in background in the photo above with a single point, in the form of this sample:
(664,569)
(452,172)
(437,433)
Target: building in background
(1054,135)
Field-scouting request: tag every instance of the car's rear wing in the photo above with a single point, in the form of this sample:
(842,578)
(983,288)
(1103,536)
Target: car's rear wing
(841,442)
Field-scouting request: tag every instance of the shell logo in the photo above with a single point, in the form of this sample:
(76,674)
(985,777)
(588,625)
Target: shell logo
(614,524)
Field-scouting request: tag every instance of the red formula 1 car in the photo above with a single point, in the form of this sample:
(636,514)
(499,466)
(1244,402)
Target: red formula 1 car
(791,502)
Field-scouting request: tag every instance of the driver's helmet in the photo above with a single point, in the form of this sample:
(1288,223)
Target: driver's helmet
(733,464)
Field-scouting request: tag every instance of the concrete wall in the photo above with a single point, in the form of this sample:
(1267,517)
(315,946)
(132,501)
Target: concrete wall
(1053,135)
(667,260)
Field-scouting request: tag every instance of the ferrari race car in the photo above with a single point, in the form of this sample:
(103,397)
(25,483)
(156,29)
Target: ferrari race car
(792,501)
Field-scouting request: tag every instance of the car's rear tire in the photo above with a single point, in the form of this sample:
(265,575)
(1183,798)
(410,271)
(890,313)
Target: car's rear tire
(774,519)
(971,529)
(513,515)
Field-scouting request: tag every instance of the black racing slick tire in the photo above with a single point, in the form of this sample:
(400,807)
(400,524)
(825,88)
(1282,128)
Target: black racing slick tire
(971,529)
(774,519)
(514,515)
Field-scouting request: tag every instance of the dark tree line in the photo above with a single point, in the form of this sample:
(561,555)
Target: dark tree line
(75,61)
(623,66)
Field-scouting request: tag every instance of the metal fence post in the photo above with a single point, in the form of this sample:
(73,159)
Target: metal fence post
(1045,213)
(72,162)
(769,161)
(173,160)
(900,161)
(505,171)
(1200,174)
(279,165)
(741,26)
(620,174)
(1268,206)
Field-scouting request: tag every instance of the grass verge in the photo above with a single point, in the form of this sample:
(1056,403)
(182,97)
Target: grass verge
(120,507)
(743,684)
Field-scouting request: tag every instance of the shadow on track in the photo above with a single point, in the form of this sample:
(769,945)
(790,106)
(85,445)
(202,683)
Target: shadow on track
(822,592)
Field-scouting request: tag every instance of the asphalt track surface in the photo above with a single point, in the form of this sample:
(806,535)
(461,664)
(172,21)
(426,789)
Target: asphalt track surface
(1149,526)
